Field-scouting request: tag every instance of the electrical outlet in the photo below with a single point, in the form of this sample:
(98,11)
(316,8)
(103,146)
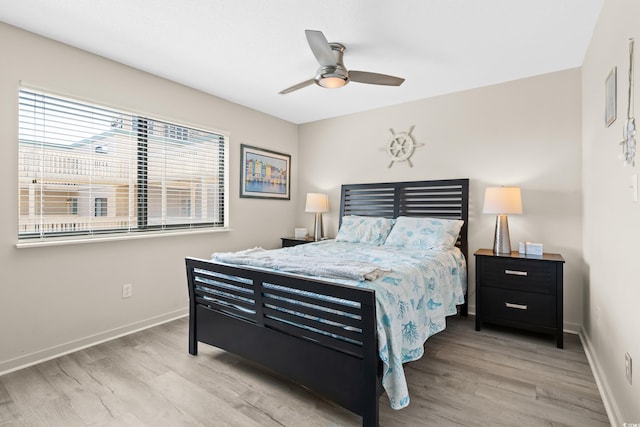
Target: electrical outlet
(127,290)
(627,367)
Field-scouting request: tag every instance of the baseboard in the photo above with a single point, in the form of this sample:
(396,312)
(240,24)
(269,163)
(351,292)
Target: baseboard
(73,346)
(601,381)
(571,328)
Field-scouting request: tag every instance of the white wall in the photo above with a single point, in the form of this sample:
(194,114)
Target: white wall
(525,133)
(611,219)
(53,299)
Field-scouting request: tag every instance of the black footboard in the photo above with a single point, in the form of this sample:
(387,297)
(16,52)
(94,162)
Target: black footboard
(318,334)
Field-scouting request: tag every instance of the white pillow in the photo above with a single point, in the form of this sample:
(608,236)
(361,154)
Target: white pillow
(424,233)
(364,229)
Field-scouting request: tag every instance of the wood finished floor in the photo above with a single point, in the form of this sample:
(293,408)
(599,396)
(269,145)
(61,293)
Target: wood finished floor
(466,378)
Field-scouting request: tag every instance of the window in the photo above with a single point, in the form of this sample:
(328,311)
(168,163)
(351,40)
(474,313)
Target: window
(100,206)
(90,170)
(72,202)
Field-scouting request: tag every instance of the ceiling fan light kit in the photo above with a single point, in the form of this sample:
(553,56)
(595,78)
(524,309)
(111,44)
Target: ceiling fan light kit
(332,77)
(331,80)
(332,72)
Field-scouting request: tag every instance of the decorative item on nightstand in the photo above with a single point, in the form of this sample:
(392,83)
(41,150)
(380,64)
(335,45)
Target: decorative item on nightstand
(300,233)
(502,201)
(317,203)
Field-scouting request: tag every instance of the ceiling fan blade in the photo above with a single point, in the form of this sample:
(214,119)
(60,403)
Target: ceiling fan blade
(296,87)
(320,48)
(374,78)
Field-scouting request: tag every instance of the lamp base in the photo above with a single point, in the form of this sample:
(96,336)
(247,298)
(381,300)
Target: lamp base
(501,240)
(317,227)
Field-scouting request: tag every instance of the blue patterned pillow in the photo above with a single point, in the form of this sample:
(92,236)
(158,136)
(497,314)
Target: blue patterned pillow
(363,229)
(424,233)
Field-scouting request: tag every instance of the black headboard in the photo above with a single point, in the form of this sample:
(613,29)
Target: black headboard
(447,198)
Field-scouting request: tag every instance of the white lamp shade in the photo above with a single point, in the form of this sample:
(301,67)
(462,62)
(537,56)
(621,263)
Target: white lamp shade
(317,202)
(502,200)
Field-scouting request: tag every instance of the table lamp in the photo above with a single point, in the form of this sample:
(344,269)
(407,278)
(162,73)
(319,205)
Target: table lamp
(502,201)
(317,203)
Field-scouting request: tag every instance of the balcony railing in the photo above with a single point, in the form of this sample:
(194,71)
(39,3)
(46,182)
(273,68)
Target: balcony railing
(73,223)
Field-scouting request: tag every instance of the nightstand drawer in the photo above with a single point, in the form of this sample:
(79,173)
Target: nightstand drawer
(507,306)
(517,274)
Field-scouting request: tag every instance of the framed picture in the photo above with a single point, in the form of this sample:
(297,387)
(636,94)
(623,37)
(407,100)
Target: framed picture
(610,98)
(264,174)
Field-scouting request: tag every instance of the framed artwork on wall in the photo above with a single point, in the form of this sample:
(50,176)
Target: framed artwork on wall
(264,174)
(610,97)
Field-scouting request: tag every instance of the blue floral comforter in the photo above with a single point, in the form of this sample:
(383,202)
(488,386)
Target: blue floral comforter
(413,299)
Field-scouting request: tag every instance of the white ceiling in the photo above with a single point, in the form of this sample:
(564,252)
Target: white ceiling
(246,51)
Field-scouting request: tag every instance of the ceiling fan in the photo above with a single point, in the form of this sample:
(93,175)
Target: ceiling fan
(332,72)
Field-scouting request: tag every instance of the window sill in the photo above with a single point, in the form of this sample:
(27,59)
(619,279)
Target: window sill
(131,236)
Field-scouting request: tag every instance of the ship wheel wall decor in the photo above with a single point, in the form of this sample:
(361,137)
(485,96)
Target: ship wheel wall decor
(400,146)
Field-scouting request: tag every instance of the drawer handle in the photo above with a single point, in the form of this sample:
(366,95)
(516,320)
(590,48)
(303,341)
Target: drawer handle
(518,306)
(515,272)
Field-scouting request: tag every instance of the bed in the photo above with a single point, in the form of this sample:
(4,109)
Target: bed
(271,317)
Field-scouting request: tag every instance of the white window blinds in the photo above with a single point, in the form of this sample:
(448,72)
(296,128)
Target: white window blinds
(86,169)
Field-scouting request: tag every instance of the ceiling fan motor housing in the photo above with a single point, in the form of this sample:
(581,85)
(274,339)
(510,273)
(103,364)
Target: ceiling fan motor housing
(333,76)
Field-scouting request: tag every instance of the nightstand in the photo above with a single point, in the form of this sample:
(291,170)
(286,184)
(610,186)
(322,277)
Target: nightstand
(521,291)
(295,241)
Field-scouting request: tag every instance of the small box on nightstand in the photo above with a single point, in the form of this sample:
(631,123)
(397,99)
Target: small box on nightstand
(300,233)
(533,248)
